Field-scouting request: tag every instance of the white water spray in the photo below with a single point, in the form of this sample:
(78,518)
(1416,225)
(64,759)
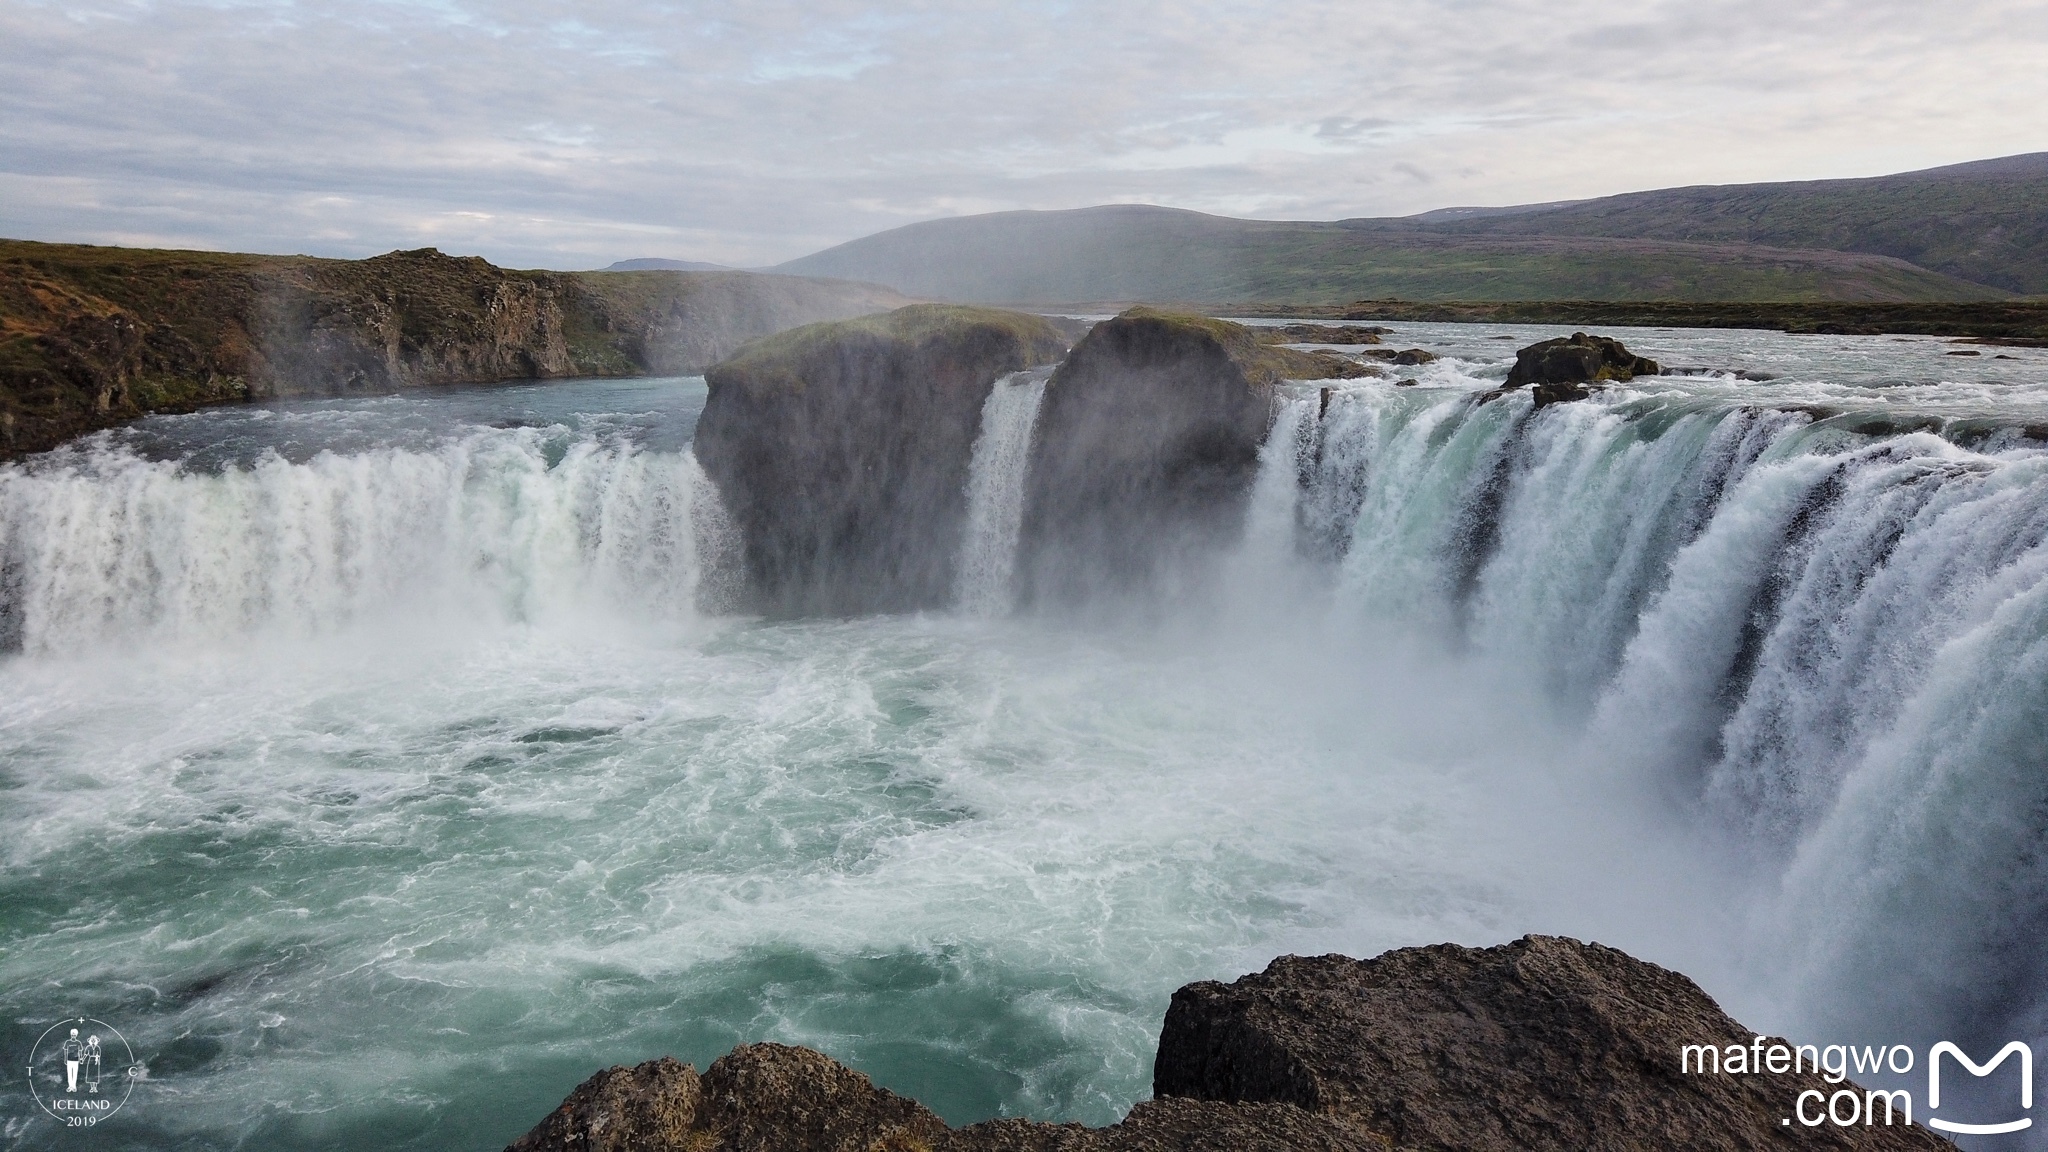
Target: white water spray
(112,548)
(995,494)
(1824,640)
(975,856)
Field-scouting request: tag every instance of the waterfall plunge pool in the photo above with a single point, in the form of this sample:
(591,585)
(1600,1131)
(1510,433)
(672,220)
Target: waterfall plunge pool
(381,767)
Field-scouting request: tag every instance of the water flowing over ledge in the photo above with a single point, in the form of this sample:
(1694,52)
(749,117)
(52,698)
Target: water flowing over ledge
(995,494)
(1778,647)
(500,524)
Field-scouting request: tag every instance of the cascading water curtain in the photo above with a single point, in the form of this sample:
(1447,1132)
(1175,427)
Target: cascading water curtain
(109,547)
(1831,644)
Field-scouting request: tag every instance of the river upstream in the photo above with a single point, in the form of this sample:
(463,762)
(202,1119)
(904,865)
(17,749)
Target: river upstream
(380,768)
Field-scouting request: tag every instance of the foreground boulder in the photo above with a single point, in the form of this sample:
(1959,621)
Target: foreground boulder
(758,1096)
(1146,447)
(1558,370)
(842,451)
(1543,1044)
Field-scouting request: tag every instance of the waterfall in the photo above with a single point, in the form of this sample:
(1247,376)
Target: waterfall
(1828,638)
(995,493)
(106,547)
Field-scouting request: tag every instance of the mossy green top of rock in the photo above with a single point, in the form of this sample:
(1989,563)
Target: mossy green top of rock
(842,451)
(786,360)
(1144,452)
(1578,359)
(1264,364)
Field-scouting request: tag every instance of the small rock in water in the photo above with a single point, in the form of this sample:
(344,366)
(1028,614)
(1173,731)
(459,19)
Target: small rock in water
(1557,371)
(1323,334)
(1406,356)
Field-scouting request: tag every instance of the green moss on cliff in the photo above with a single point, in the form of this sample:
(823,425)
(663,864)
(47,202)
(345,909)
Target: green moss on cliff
(842,451)
(1263,364)
(783,361)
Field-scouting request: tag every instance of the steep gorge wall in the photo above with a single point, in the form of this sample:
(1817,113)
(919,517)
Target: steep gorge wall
(90,337)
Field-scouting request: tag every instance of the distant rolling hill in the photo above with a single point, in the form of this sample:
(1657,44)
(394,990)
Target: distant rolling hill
(662,264)
(1986,222)
(1972,232)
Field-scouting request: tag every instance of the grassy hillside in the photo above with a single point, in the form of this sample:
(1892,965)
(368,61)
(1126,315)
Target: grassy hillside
(92,336)
(2020,322)
(1986,222)
(1139,253)
(1969,232)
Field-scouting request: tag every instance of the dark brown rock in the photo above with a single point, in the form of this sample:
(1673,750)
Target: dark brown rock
(1145,449)
(1173,1125)
(91,336)
(649,1108)
(1545,1043)
(1404,356)
(1322,334)
(1558,370)
(1542,1045)
(756,1098)
(775,1098)
(842,452)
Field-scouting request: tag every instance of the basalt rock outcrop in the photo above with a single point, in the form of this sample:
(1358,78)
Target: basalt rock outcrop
(842,451)
(758,1096)
(1556,371)
(1545,1043)
(1146,446)
(1542,1045)
(90,337)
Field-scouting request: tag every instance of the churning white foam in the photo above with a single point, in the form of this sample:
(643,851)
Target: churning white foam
(1754,692)
(111,548)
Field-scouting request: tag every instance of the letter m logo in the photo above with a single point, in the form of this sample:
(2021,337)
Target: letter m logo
(1975,1069)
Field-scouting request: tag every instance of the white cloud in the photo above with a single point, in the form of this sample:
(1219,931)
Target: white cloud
(572,135)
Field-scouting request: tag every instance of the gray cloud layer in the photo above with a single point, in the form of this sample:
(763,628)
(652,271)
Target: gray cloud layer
(570,135)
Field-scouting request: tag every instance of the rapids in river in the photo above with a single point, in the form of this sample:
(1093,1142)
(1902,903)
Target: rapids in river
(381,767)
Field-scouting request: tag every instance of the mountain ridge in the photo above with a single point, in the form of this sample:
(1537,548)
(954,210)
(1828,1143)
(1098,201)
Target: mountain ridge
(1977,231)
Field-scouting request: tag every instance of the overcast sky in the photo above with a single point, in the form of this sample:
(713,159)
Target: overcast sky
(570,135)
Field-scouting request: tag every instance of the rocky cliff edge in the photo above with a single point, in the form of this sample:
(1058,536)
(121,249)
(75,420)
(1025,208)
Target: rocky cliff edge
(91,337)
(1542,1044)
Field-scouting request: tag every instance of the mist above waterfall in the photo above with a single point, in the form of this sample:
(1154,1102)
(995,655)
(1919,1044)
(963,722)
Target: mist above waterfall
(389,756)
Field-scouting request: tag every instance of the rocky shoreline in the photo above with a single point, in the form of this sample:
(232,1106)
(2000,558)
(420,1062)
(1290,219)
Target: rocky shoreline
(1544,1043)
(93,337)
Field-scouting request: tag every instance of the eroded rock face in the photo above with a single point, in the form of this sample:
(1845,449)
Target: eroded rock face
(842,452)
(1545,1043)
(649,1108)
(1542,1045)
(1146,448)
(756,1098)
(1556,371)
(90,337)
